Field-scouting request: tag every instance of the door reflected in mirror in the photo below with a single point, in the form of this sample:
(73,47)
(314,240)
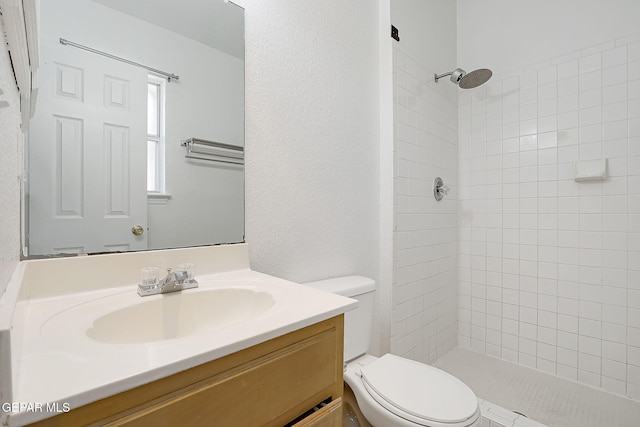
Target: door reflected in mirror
(106,168)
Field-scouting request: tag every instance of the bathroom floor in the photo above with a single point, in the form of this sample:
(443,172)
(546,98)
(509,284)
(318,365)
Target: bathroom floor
(548,399)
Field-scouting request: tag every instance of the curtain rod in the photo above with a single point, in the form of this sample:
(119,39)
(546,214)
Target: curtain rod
(169,76)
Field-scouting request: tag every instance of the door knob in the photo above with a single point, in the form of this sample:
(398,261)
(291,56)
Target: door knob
(137,230)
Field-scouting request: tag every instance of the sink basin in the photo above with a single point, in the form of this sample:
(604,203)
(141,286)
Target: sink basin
(179,315)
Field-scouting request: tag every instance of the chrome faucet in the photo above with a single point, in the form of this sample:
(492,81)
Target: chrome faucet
(174,281)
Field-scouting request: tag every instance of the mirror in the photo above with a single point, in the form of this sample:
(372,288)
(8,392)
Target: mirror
(106,162)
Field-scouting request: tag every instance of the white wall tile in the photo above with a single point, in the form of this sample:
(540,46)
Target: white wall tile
(590,63)
(614,57)
(568,69)
(614,385)
(632,356)
(589,363)
(614,75)
(426,257)
(634,88)
(565,257)
(615,351)
(615,333)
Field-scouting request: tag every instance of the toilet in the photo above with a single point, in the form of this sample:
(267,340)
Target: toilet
(391,391)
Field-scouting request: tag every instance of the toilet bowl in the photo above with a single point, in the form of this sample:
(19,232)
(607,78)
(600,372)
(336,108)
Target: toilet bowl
(391,391)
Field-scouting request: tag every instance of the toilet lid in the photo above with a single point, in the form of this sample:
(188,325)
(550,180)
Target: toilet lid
(406,387)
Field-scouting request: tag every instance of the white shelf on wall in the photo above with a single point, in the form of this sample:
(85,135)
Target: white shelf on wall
(590,170)
(202,149)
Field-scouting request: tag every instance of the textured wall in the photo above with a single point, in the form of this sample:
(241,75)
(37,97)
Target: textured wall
(11,155)
(312,141)
(549,267)
(424,314)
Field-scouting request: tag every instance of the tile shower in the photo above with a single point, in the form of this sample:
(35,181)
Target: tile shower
(521,262)
(549,268)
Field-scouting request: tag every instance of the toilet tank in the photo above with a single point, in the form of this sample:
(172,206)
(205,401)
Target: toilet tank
(357,322)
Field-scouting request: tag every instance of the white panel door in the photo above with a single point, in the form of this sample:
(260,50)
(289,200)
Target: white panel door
(87,154)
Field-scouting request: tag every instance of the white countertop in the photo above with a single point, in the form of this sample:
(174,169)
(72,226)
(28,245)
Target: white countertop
(57,362)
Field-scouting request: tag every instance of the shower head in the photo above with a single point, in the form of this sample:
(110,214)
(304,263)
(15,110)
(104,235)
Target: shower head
(467,80)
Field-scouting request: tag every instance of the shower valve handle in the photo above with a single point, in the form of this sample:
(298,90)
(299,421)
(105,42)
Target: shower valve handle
(440,189)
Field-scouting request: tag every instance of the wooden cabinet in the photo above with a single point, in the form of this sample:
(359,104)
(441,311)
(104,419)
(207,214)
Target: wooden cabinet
(275,383)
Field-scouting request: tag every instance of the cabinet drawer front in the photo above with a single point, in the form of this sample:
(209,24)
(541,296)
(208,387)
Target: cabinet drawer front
(329,416)
(272,388)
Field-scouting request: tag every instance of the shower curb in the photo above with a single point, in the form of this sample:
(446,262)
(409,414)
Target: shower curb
(496,416)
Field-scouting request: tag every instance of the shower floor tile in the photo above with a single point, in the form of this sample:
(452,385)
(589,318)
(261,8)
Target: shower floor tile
(545,398)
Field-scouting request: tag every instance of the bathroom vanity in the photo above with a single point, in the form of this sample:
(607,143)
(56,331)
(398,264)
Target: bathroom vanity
(268,352)
(271,384)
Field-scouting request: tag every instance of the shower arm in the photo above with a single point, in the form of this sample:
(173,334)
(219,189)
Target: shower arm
(456,75)
(437,77)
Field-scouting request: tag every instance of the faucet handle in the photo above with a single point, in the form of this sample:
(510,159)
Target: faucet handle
(188,268)
(149,277)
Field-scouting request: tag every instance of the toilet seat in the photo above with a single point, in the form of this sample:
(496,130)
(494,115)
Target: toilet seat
(419,393)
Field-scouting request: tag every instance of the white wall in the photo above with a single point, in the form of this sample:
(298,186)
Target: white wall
(550,268)
(424,314)
(507,34)
(207,102)
(312,138)
(11,155)
(427,32)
